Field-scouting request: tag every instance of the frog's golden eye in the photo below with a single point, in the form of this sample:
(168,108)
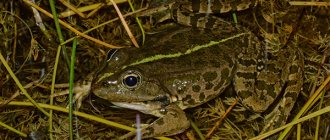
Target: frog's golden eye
(131,79)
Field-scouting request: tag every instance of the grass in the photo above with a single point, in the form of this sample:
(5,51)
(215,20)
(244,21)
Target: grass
(26,51)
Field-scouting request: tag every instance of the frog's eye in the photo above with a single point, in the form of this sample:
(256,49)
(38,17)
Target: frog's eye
(131,79)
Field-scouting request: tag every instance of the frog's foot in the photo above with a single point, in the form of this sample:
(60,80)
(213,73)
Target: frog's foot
(81,90)
(173,122)
(279,115)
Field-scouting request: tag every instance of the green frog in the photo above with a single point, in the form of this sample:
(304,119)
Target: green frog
(185,67)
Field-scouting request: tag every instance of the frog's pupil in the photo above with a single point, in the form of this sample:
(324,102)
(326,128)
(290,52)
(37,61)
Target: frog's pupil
(131,81)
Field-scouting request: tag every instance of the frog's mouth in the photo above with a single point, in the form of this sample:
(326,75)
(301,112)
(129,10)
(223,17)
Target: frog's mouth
(146,107)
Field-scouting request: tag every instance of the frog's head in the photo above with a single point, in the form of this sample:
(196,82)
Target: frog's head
(137,74)
(120,81)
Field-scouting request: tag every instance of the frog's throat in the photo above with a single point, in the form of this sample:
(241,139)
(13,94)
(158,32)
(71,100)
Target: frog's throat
(165,56)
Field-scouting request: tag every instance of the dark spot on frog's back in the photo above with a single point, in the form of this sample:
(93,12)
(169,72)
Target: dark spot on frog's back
(192,102)
(196,88)
(209,85)
(225,74)
(210,76)
(188,99)
(247,62)
(225,77)
(263,85)
(246,75)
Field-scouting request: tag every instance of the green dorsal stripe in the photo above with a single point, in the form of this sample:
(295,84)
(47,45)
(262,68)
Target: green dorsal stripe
(189,51)
(164,56)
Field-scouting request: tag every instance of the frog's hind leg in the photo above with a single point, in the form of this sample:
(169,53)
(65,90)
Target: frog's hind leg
(263,76)
(294,82)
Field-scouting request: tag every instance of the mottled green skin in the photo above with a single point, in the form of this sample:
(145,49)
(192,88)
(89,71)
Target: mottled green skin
(180,81)
(185,67)
(206,71)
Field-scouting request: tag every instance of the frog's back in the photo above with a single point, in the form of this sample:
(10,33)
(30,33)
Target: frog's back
(192,65)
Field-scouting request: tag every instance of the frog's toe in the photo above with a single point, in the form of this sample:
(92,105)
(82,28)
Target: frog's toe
(79,98)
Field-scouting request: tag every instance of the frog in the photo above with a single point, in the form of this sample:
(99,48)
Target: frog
(189,65)
(182,70)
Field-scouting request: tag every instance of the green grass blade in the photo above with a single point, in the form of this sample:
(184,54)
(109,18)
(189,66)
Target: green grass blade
(58,30)
(73,57)
(51,102)
(13,129)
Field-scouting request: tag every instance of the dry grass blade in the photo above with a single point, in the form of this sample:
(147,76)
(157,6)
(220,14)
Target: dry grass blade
(307,105)
(80,9)
(291,124)
(218,123)
(40,23)
(74,9)
(92,7)
(307,3)
(103,24)
(125,25)
(13,129)
(71,28)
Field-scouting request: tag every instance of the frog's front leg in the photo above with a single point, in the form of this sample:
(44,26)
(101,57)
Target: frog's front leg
(174,121)
(81,90)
